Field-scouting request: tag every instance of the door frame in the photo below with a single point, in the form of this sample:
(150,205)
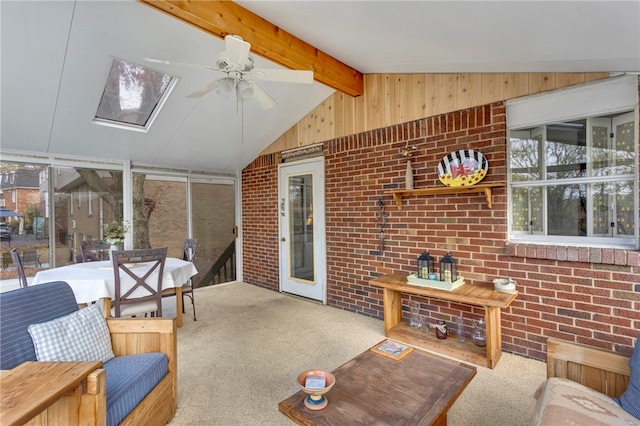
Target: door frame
(319,231)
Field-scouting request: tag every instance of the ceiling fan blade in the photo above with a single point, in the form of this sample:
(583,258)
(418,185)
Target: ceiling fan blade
(206,89)
(237,50)
(261,96)
(282,75)
(182,64)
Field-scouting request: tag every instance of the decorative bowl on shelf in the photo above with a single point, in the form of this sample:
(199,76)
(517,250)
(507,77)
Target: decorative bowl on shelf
(505,285)
(315,383)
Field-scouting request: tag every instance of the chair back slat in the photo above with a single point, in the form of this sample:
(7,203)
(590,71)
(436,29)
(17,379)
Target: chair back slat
(128,263)
(17,260)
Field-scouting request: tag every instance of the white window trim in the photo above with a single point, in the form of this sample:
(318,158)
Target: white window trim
(585,100)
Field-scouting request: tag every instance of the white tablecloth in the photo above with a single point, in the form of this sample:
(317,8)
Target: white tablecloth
(91,281)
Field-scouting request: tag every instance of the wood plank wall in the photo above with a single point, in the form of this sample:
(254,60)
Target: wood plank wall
(398,98)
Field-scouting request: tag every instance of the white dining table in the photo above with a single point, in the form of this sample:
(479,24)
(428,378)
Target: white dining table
(95,281)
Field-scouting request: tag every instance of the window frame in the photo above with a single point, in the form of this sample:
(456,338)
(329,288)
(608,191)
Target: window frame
(113,122)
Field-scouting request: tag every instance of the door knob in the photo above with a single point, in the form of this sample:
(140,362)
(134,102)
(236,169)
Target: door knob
(283,239)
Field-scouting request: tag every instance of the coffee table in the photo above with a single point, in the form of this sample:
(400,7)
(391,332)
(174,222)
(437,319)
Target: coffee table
(371,389)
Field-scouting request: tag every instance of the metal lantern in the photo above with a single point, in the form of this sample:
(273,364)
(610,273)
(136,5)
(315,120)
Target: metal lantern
(448,269)
(425,265)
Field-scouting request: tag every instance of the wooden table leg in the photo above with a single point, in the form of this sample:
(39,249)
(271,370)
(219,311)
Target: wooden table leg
(392,305)
(179,306)
(106,307)
(493,334)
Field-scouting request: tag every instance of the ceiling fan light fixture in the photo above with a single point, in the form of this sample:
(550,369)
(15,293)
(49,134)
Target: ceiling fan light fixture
(245,89)
(225,88)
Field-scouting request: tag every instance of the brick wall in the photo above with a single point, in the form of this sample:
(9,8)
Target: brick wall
(576,294)
(260,222)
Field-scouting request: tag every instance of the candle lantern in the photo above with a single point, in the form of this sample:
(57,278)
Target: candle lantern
(425,265)
(448,269)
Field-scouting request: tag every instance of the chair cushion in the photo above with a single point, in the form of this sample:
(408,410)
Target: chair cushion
(565,402)
(129,379)
(80,336)
(22,307)
(630,399)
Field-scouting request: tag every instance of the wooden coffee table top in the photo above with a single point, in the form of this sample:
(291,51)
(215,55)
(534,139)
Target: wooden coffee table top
(372,389)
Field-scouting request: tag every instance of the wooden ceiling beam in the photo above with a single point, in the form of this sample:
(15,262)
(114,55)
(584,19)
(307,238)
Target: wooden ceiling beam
(221,18)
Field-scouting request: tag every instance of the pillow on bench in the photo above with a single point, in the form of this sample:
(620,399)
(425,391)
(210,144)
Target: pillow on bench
(80,336)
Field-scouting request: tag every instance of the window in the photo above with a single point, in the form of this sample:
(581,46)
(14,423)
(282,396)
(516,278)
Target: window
(573,165)
(575,179)
(133,96)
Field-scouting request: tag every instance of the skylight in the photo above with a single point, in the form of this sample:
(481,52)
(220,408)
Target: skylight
(133,96)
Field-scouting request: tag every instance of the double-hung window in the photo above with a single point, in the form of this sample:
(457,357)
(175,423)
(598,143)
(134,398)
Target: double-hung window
(573,168)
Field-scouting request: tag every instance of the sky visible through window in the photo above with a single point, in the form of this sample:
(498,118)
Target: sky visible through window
(132,94)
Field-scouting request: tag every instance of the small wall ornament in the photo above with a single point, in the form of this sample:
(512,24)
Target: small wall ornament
(407,152)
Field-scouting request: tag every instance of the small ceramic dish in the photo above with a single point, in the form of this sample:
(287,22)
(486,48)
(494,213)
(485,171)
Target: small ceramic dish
(316,399)
(504,284)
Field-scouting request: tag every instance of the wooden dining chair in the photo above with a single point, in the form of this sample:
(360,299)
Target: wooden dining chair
(31,256)
(91,250)
(145,267)
(188,254)
(17,260)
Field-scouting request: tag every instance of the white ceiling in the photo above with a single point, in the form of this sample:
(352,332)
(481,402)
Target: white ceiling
(55,57)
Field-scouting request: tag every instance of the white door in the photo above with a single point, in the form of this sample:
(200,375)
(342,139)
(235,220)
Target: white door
(302,229)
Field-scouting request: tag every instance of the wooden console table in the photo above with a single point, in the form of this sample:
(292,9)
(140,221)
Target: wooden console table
(492,301)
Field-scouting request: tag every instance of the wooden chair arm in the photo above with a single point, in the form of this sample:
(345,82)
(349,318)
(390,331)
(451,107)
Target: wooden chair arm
(96,382)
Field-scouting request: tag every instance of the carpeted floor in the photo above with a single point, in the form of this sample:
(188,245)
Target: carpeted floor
(241,358)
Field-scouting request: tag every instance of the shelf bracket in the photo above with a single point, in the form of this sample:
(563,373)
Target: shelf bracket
(397,197)
(487,194)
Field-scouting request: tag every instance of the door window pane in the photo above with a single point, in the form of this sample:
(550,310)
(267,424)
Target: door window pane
(301,227)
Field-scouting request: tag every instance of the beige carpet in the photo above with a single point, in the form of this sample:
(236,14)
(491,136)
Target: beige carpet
(240,359)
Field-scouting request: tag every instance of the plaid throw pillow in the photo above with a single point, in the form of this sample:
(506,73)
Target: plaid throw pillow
(80,336)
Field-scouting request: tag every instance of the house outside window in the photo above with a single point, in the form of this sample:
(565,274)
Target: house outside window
(573,180)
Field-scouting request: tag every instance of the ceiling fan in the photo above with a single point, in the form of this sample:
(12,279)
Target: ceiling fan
(237,64)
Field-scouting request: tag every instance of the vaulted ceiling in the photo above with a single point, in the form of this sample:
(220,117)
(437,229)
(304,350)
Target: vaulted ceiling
(55,56)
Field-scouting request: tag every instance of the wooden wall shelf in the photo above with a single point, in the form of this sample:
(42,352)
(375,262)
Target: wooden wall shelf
(398,195)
